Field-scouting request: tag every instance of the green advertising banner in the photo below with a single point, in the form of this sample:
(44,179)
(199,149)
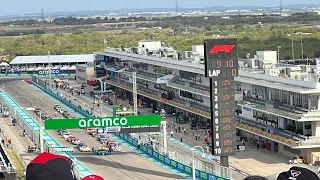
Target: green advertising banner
(77,123)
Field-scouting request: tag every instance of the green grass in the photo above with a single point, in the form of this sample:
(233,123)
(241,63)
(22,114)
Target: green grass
(17,163)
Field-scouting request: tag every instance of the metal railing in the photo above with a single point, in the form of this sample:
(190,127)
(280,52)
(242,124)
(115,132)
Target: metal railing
(269,110)
(183,158)
(32,135)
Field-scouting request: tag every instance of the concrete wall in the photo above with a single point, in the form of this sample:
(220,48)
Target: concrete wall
(282,151)
(307,153)
(315,128)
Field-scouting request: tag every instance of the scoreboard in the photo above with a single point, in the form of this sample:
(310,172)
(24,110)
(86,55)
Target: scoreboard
(221,67)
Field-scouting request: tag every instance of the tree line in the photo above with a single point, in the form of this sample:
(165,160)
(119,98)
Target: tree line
(22,32)
(178,21)
(72,21)
(250,39)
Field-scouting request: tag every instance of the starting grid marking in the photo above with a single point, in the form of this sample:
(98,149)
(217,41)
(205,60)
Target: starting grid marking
(46,136)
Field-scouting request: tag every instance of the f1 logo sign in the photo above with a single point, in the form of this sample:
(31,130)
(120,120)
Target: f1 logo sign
(222,48)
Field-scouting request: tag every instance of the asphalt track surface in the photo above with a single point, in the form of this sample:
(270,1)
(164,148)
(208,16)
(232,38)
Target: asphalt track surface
(125,165)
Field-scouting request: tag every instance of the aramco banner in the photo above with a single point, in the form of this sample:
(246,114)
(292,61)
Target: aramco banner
(102,122)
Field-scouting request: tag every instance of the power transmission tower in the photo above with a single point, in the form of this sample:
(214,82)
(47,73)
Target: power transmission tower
(177,6)
(280,2)
(42,18)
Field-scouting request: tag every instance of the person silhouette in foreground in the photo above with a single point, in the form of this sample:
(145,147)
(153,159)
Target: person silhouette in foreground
(294,173)
(255,178)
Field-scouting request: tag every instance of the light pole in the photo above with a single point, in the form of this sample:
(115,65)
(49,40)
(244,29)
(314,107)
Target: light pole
(49,64)
(164,131)
(193,163)
(41,134)
(278,53)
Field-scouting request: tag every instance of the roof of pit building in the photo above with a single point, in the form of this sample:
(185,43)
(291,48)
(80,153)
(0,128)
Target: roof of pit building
(64,59)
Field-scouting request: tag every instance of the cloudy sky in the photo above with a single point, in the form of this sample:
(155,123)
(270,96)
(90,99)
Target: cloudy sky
(13,7)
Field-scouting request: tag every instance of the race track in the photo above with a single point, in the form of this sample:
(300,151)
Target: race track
(125,165)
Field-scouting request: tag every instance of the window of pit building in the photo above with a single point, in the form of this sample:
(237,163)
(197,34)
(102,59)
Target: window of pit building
(259,90)
(191,77)
(100,58)
(191,96)
(162,70)
(81,70)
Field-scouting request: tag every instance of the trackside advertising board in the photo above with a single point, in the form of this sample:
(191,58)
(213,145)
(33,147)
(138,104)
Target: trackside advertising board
(102,122)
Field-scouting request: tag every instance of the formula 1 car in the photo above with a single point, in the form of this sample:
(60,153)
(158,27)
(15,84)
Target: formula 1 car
(101,152)
(84,149)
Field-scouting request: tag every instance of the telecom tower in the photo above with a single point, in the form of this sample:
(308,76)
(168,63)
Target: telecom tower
(42,18)
(280,2)
(177,6)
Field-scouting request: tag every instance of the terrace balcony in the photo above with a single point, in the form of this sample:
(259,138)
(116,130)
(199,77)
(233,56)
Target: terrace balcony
(151,77)
(190,87)
(272,136)
(267,107)
(113,67)
(279,109)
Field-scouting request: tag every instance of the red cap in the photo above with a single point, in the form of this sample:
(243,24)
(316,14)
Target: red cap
(93,177)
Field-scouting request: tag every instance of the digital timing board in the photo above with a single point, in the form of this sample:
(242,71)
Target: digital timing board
(221,67)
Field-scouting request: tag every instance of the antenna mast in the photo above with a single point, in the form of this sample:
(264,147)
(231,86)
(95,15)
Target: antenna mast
(42,17)
(177,6)
(280,2)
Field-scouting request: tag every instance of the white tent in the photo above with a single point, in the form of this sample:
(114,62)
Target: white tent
(4,64)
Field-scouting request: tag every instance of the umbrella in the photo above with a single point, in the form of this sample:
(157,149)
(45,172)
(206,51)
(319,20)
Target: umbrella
(93,177)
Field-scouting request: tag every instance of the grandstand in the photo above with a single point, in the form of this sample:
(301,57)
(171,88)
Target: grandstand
(33,64)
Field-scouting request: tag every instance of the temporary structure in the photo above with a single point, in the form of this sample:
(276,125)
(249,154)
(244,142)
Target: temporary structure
(4,64)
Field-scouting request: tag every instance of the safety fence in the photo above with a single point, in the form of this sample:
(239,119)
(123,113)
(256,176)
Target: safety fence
(157,145)
(32,129)
(168,160)
(31,75)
